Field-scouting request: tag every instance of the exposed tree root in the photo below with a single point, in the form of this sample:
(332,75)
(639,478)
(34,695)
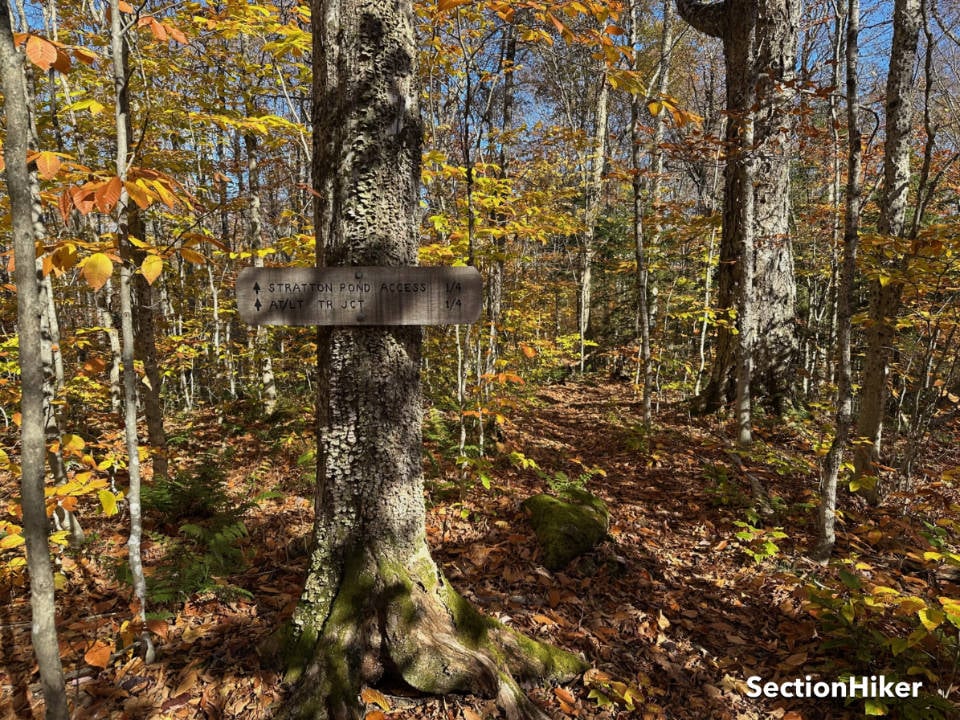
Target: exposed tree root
(405,621)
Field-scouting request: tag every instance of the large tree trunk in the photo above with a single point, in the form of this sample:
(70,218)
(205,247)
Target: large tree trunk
(759,42)
(375,603)
(885,296)
(43,630)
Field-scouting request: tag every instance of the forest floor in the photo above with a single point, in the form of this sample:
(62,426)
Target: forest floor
(675,611)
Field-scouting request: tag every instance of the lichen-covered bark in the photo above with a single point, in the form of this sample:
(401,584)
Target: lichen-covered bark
(885,298)
(759,41)
(374,603)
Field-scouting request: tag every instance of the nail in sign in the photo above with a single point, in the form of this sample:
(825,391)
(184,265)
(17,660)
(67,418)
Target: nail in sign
(359,296)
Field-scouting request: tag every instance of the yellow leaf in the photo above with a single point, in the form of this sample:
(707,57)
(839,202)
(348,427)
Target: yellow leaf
(59,581)
(108,501)
(655,108)
(931,618)
(151,268)
(97,269)
(372,696)
(138,194)
(11,541)
(72,443)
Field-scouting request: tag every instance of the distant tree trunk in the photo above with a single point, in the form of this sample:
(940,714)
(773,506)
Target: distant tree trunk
(642,248)
(845,295)
(374,602)
(33,446)
(497,270)
(885,295)
(118,52)
(759,42)
(106,321)
(254,228)
(593,191)
(146,338)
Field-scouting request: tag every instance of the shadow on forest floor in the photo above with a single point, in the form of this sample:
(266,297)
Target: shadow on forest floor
(672,605)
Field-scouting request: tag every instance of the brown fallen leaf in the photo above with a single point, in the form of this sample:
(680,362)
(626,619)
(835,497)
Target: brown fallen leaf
(98,655)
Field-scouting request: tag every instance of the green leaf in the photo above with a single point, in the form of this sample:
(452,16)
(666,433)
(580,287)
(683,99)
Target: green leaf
(850,580)
(602,700)
(874,707)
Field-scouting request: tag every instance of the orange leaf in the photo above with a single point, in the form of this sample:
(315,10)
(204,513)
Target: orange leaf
(65,203)
(62,63)
(125,7)
(561,28)
(94,366)
(64,257)
(159,32)
(98,655)
(108,195)
(444,5)
(528,352)
(69,503)
(565,695)
(48,164)
(97,270)
(41,52)
(469,714)
(85,56)
(192,256)
(160,628)
(372,696)
(176,34)
(375,715)
(83,197)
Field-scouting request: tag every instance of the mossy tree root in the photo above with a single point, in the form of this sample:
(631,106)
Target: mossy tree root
(406,621)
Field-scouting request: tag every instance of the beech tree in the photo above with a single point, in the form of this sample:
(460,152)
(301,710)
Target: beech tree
(33,445)
(885,294)
(375,602)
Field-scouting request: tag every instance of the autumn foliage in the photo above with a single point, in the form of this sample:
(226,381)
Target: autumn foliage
(704,579)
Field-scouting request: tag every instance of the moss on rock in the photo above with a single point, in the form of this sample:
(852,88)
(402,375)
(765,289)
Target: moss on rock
(567,526)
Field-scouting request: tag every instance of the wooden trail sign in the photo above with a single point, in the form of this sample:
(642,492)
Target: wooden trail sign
(359,296)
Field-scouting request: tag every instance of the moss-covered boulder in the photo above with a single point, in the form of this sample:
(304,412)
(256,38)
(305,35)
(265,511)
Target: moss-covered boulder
(567,526)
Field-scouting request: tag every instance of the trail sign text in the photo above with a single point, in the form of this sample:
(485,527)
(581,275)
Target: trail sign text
(359,296)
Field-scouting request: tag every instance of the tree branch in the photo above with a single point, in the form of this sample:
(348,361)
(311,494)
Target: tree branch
(707,17)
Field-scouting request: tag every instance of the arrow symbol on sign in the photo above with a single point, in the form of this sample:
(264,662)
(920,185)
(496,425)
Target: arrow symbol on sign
(258,304)
(256,288)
